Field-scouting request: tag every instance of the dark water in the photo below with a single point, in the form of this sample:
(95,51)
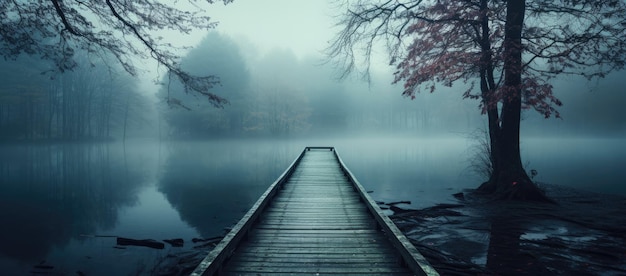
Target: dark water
(55,199)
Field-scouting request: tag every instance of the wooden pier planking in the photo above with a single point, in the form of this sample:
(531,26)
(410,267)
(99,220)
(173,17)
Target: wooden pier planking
(315,219)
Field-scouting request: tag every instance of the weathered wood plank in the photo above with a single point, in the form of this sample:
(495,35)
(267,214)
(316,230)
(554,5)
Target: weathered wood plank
(339,227)
(336,265)
(253,248)
(312,257)
(411,257)
(316,242)
(214,261)
(338,238)
(327,201)
(335,241)
(351,232)
(330,215)
(239,273)
(319,258)
(317,210)
(242,267)
(316,221)
(316,235)
(325,246)
(283,274)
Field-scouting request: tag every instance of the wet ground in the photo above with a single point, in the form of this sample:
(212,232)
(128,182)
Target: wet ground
(584,234)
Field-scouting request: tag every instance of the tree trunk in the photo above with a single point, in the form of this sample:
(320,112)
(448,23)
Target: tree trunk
(509,179)
(126,115)
(488,86)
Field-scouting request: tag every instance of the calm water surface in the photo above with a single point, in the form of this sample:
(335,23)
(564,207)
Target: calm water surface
(57,201)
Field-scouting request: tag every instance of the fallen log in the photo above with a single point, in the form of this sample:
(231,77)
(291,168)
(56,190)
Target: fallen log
(399,202)
(175,242)
(213,239)
(146,243)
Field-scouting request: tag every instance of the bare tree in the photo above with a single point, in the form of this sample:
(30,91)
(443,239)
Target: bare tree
(57,29)
(511,49)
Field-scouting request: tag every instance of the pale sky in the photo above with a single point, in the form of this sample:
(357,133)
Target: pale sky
(304,26)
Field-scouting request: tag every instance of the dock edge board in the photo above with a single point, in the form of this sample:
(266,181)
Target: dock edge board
(213,262)
(411,257)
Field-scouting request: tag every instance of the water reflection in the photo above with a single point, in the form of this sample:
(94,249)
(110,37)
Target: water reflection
(51,194)
(213,184)
(592,164)
(424,171)
(505,253)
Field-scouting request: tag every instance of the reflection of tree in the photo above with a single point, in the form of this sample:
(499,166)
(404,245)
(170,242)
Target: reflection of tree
(507,255)
(51,194)
(213,185)
(503,255)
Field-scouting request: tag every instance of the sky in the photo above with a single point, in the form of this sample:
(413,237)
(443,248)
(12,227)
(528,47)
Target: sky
(303,26)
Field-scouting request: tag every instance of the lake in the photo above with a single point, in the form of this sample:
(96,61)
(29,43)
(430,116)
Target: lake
(62,204)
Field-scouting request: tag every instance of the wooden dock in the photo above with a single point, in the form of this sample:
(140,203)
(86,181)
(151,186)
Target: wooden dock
(315,219)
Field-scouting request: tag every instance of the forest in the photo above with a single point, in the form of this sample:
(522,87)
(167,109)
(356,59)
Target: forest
(275,94)
(98,104)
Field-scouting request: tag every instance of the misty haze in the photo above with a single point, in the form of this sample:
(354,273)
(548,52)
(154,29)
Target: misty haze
(92,154)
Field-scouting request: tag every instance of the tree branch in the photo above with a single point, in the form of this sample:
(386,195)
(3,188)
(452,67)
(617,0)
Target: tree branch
(61,13)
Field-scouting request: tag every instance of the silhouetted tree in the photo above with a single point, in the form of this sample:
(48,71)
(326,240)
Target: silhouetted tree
(279,104)
(216,54)
(512,49)
(56,30)
(82,104)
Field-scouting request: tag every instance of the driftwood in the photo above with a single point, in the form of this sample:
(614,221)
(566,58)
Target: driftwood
(213,239)
(146,243)
(399,202)
(438,210)
(175,242)
(41,266)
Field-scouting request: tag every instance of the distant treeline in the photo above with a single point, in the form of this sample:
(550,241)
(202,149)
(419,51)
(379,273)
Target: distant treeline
(92,103)
(273,94)
(277,94)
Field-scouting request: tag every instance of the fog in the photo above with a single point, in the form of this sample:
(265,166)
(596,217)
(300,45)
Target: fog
(277,94)
(271,94)
(279,84)
(95,152)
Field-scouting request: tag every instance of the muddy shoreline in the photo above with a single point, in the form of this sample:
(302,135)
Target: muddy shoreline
(583,234)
